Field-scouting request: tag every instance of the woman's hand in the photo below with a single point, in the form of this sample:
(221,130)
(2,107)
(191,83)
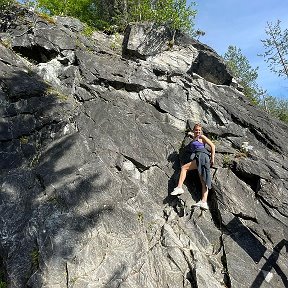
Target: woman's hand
(191,134)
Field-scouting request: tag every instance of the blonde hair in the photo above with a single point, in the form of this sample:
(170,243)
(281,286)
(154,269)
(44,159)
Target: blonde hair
(197,125)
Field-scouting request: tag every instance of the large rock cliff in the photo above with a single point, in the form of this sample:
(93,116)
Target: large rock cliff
(92,136)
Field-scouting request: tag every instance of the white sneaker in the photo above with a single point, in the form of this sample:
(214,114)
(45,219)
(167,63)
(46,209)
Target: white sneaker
(202,205)
(177,191)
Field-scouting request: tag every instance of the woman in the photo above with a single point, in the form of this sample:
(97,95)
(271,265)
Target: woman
(200,160)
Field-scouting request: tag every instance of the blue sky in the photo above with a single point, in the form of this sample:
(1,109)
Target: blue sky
(242,24)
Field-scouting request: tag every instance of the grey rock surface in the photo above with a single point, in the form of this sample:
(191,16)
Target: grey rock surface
(91,144)
(145,39)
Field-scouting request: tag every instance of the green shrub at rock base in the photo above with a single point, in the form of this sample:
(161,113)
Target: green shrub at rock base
(88,30)
(140,217)
(35,258)
(6,4)
(24,139)
(3,284)
(226,162)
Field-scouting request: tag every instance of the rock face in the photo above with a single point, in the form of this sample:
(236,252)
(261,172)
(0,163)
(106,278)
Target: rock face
(144,40)
(91,144)
(211,68)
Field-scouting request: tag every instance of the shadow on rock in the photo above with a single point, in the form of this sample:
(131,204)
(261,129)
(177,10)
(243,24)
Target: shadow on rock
(49,187)
(245,239)
(271,263)
(258,252)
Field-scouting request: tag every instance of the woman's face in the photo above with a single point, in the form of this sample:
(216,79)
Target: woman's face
(197,131)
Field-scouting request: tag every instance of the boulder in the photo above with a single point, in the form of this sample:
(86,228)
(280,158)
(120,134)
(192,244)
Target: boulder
(212,68)
(143,40)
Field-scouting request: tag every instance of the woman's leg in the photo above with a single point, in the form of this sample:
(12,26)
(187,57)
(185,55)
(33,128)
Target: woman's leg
(204,189)
(187,167)
(203,202)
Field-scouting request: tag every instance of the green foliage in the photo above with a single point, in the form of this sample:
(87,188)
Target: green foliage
(140,217)
(276,46)
(66,7)
(276,107)
(84,10)
(6,4)
(88,30)
(174,13)
(198,33)
(246,76)
(276,55)
(3,283)
(226,161)
(24,140)
(114,15)
(243,73)
(35,255)
(117,42)
(140,11)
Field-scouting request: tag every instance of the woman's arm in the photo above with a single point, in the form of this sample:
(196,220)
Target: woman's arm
(212,146)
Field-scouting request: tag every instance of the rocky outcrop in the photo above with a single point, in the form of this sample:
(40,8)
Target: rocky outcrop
(91,143)
(211,68)
(145,39)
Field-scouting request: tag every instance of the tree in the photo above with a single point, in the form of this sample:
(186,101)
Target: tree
(276,45)
(247,76)
(198,33)
(116,14)
(173,13)
(243,73)
(5,4)
(82,9)
(276,107)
